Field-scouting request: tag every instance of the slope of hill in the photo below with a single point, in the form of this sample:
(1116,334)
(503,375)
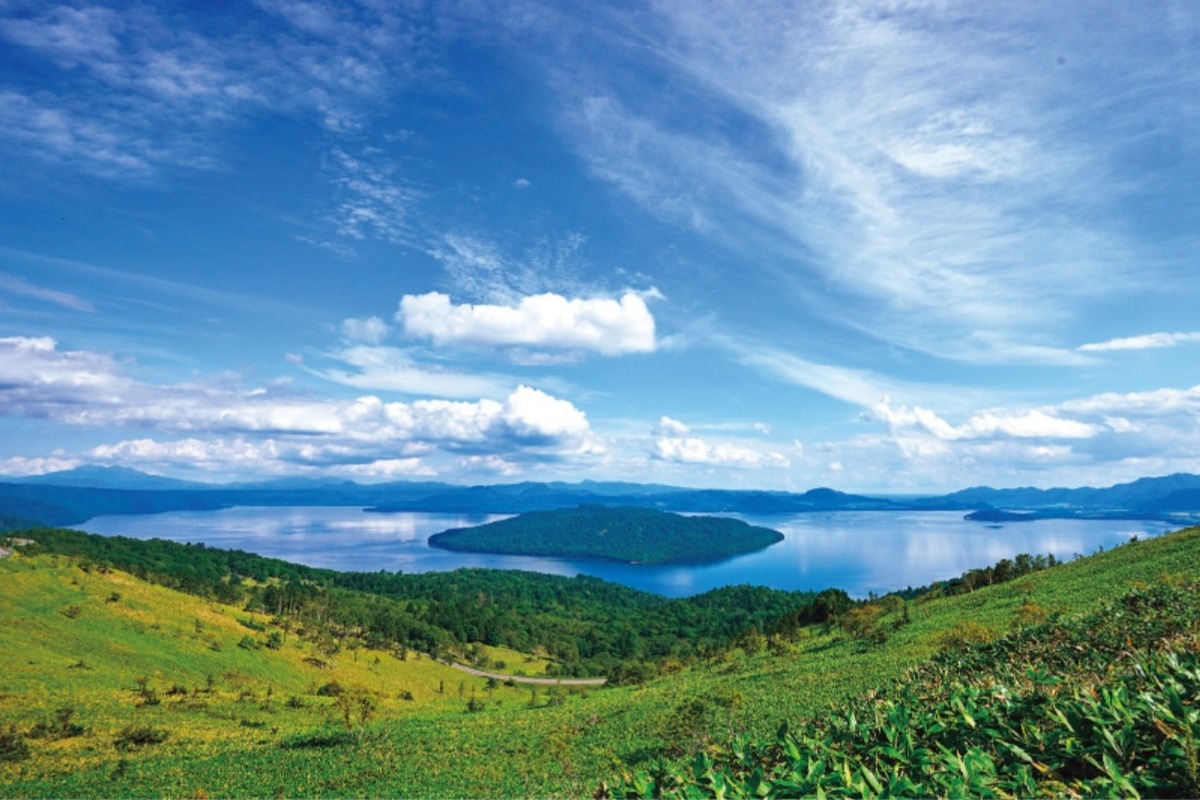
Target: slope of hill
(68,643)
(97,477)
(621,533)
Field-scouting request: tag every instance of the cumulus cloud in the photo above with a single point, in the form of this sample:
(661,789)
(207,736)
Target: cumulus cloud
(1146,341)
(1110,436)
(1032,424)
(671,427)
(39,380)
(694,450)
(370,330)
(544,321)
(23,465)
(231,426)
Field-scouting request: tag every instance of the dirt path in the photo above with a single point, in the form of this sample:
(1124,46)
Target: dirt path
(525,679)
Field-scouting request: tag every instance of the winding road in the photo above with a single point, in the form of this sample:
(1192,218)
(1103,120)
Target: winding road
(525,679)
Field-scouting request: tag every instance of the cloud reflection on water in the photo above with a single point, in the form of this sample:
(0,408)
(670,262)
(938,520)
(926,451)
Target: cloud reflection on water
(857,551)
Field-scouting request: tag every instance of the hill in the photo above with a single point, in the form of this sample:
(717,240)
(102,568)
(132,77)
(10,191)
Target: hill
(73,496)
(267,724)
(97,477)
(629,534)
(1169,493)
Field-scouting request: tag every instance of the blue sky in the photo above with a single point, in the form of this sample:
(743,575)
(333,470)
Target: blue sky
(880,246)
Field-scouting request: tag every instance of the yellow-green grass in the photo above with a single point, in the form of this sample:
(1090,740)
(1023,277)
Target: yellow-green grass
(68,640)
(752,694)
(514,661)
(522,744)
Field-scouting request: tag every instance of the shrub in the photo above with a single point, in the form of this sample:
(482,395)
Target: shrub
(61,727)
(862,623)
(12,745)
(331,689)
(1030,613)
(133,736)
(319,737)
(966,632)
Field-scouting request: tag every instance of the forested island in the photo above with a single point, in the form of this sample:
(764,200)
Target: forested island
(629,534)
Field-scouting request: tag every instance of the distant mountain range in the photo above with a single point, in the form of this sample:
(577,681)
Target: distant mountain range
(72,496)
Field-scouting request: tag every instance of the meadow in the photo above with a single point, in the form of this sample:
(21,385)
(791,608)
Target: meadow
(114,687)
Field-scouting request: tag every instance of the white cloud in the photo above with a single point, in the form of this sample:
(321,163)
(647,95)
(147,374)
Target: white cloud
(859,387)
(936,165)
(489,465)
(373,199)
(1097,440)
(544,321)
(1031,424)
(533,413)
(1146,341)
(39,380)
(150,87)
(232,426)
(671,427)
(23,465)
(392,369)
(370,330)
(694,450)
(20,286)
(1156,403)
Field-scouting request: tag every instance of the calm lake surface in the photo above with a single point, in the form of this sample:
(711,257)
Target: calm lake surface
(859,551)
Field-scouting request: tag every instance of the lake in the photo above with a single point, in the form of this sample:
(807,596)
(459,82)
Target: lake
(859,551)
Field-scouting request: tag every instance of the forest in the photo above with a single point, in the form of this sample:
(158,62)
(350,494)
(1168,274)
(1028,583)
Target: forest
(621,533)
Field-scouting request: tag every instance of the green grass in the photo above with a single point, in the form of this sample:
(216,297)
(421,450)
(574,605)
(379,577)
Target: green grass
(234,740)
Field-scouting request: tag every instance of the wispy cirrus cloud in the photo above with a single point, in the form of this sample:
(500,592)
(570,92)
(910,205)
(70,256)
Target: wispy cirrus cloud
(151,93)
(153,286)
(1147,341)
(13,284)
(394,369)
(373,200)
(480,269)
(936,161)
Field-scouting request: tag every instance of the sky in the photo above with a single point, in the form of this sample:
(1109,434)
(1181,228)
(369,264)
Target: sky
(889,247)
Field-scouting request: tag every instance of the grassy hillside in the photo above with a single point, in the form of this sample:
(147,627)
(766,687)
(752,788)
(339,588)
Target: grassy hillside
(67,642)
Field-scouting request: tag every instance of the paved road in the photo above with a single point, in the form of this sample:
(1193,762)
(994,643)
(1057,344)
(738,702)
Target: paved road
(524,679)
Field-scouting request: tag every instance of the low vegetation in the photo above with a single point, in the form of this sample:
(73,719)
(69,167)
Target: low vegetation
(933,692)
